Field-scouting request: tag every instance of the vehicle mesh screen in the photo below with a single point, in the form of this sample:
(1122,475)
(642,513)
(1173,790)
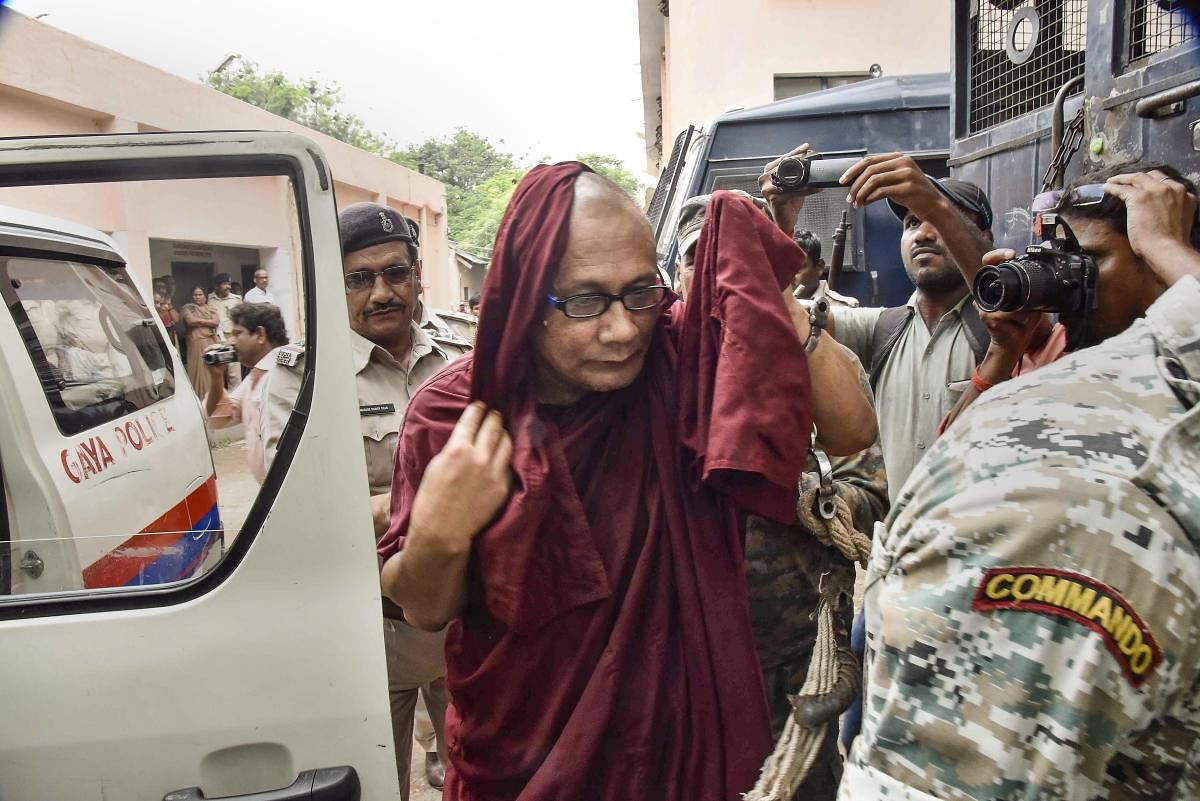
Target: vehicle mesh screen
(666,182)
(1153,29)
(821,214)
(1002,89)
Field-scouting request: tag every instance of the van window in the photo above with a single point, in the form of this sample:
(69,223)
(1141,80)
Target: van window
(93,342)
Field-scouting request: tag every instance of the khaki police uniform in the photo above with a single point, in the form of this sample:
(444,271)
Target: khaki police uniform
(416,659)
(233,370)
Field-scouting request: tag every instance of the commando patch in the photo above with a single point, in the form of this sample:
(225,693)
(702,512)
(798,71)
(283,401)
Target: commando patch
(1076,597)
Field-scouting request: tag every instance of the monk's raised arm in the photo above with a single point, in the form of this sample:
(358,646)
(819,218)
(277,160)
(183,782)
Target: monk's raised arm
(843,414)
(427,578)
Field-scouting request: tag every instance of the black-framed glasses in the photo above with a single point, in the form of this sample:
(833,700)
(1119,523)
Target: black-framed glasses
(362,280)
(593,304)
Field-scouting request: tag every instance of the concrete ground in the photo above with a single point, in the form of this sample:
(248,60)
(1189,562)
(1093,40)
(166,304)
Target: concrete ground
(236,491)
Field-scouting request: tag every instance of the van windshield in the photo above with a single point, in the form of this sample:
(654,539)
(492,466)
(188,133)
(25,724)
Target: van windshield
(94,344)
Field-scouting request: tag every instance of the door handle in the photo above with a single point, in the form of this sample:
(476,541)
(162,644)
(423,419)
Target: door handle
(326,784)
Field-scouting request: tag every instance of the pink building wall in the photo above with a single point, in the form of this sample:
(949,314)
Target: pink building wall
(54,83)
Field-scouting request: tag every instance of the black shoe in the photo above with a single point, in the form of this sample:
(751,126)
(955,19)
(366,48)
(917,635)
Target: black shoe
(435,772)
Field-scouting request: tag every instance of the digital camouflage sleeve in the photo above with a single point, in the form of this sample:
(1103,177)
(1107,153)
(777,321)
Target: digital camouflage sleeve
(1033,607)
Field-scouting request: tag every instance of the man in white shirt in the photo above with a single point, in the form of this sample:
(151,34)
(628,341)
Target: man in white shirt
(259,292)
(258,331)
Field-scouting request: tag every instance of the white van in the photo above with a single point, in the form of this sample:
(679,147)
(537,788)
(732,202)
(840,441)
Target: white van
(93,397)
(131,670)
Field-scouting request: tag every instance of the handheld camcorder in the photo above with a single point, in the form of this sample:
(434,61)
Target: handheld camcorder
(810,172)
(1055,276)
(221,354)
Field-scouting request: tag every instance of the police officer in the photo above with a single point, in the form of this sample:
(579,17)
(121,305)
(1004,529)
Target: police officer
(1034,606)
(812,278)
(392,356)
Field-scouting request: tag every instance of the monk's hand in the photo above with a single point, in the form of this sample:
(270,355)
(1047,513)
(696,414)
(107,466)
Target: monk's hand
(1160,213)
(466,484)
(894,176)
(381,513)
(785,206)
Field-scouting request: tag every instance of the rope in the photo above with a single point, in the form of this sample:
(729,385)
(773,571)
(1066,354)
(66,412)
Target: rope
(831,684)
(839,532)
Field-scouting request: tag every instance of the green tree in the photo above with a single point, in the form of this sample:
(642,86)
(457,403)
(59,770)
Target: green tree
(479,179)
(480,210)
(312,104)
(463,160)
(612,169)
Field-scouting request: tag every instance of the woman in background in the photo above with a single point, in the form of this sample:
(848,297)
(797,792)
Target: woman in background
(203,331)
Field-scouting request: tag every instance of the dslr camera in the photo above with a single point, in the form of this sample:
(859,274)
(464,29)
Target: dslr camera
(812,171)
(1055,276)
(220,354)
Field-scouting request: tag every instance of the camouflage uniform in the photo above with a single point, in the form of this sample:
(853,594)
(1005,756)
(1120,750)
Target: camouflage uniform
(1033,608)
(784,564)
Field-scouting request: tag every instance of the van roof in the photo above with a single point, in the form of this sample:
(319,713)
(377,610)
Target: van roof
(19,227)
(891,93)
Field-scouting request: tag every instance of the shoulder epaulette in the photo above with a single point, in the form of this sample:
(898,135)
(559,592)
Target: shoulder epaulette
(451,340)
(290,355)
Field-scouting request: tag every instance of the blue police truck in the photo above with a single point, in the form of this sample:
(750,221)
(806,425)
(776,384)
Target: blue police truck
(1044,90)
(908,113)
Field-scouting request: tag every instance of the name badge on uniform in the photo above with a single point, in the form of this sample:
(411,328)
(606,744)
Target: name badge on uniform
(372,409)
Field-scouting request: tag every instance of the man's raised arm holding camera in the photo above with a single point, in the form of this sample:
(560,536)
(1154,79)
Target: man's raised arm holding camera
(1126,223)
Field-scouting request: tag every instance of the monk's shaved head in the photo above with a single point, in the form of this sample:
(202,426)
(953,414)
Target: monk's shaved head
(598,196)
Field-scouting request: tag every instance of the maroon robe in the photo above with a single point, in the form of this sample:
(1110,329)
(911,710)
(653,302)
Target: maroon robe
(605,651)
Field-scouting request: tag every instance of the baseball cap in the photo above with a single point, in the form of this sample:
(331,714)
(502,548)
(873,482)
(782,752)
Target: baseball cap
(365,224)
(964,194)
(691,218)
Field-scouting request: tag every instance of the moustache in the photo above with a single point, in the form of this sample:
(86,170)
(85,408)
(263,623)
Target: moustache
(383,308)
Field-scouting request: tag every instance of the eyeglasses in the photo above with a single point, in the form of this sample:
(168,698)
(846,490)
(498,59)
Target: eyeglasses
(1086,195)
(593,304)
(362,280)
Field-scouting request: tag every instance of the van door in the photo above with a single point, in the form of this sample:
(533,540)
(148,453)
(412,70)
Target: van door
(264,669)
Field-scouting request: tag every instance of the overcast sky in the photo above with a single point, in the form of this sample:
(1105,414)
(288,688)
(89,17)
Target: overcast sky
(547,77)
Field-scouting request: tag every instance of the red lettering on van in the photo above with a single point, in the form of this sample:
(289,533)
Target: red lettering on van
(131,432)
(106,457)
(122,440)
(67,467)
(142,431)
(87,452)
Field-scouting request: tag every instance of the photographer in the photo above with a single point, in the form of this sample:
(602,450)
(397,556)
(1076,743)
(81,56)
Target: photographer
(920,355)
(1038,589)
(257,331)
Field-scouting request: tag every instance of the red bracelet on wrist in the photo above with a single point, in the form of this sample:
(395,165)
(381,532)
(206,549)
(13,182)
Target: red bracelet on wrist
(981,384)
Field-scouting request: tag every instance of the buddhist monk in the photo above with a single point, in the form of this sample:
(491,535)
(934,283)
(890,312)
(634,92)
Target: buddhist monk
(569,497)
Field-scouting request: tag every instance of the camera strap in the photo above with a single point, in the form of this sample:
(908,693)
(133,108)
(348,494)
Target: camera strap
(892,323)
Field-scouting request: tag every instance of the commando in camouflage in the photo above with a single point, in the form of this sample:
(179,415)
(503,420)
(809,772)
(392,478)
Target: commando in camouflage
(1034,604)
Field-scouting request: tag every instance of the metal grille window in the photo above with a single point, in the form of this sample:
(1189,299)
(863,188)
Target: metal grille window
(1022,52)
(665,188)
(1155,25)
(821,213)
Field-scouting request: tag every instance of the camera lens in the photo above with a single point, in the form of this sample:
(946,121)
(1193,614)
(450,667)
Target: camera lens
(791,174)
(1000,287)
